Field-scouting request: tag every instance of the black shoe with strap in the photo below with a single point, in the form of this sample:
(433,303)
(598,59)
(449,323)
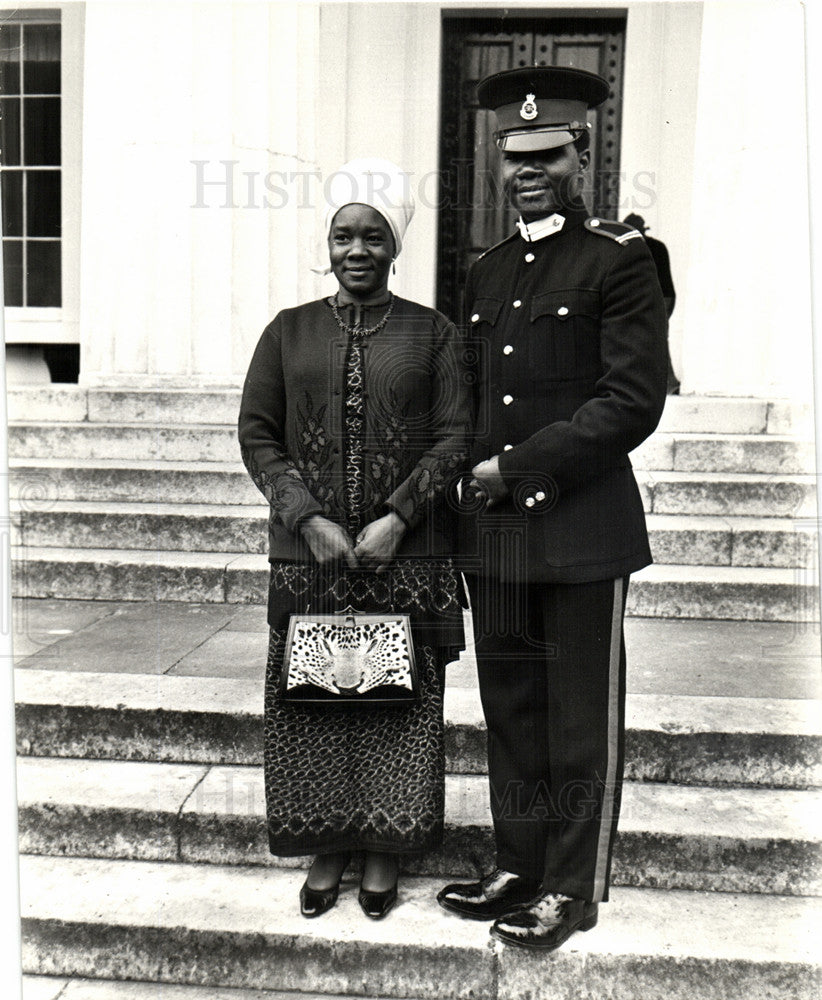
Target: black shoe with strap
(490,897)
(546,922)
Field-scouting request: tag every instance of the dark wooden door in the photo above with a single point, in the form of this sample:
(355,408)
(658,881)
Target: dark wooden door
(473,215)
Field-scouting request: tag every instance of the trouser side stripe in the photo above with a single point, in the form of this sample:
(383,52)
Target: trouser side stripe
(607,819)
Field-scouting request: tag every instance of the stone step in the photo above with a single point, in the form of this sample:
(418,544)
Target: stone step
(666,591)
(741,453)
(718,493)
(38,484)
(159,443)
(694,740)
(679,452)
(697,540)
(189,527)
(57,988)
(671,837)
(682,539)
(689,414)
(735,593)
(240,927)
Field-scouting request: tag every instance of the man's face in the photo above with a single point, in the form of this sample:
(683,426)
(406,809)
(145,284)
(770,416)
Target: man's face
(545,181)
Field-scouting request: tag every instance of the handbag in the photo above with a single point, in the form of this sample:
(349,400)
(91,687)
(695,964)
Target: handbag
(349,659)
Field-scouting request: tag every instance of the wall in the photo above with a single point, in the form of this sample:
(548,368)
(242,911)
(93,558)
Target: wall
(747,311)
(658,134)
(176,284)
(178,279)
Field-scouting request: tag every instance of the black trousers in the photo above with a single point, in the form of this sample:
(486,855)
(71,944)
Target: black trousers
(551,663)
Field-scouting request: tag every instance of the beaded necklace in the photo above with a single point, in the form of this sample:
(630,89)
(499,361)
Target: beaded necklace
(357,331)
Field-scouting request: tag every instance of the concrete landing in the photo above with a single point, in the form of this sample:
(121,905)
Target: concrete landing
(665,657)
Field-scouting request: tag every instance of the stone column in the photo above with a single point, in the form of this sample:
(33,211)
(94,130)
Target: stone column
(658,128)
(182,261)
(378,95)
(747,311)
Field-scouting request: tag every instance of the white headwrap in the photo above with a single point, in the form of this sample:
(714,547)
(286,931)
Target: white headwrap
(374,182)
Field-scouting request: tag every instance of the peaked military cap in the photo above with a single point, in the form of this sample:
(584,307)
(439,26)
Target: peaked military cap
(540,107)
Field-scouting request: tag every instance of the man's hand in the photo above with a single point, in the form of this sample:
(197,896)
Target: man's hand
(488,481)
(378,541)
(328,541)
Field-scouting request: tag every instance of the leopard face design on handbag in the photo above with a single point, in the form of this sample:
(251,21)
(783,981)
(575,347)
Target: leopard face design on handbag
(349,656)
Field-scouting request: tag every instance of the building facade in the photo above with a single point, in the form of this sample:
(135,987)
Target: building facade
(194,139)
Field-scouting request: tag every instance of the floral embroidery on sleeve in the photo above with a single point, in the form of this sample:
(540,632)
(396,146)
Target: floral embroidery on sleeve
(314,453)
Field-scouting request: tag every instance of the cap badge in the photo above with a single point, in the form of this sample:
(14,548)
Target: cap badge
(528,111)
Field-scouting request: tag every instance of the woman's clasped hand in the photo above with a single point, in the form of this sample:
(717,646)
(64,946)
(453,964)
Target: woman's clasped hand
(374,548)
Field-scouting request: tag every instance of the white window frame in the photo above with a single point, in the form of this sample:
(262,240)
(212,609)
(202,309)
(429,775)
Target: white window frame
(60,325)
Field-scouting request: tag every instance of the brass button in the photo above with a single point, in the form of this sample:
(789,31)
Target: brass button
(562,311)
(517,303)
(539,496)
(475,317)
(508,400)
(529,501)
(529,258)
(508,349)
(594,223)
(507,447)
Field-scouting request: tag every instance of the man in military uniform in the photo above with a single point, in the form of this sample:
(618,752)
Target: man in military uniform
(569,325)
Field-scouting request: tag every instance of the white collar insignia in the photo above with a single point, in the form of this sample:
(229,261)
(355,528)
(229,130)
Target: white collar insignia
(538,230)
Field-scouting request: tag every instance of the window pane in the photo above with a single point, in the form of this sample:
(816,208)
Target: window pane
(43,274)
(42,203)
(10,59)
(12,203)
(13,272)
(41,59)
(41,131)
(10,131)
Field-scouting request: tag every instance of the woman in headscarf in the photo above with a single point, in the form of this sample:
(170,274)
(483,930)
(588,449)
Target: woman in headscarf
(353,425)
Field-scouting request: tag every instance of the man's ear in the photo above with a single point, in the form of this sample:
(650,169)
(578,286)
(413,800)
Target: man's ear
(585,159)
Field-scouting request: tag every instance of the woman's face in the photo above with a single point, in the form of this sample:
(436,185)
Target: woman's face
(361,248)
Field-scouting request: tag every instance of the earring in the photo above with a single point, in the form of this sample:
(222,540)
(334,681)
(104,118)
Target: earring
(393,265)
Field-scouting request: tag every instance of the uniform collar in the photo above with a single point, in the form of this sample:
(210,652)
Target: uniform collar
(540,228)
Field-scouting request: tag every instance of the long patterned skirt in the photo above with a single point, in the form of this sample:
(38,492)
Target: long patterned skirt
(360,778)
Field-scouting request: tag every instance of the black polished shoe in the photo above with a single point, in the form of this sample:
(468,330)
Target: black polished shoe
(491,897)
(314,902)
(377,904)
(546,922)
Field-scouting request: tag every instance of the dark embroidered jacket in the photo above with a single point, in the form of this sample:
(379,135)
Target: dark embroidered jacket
(412,394)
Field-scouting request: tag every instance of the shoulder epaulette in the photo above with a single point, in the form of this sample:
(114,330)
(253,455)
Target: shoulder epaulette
(616,231)
(496,246)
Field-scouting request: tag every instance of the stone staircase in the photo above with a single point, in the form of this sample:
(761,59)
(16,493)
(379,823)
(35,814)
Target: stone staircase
(144,855)
(144,866)
(141,496)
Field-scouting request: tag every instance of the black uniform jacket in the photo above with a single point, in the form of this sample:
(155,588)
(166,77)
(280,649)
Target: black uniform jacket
(570,337)
(416,410)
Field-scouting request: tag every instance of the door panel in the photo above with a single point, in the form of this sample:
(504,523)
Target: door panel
(473,214)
